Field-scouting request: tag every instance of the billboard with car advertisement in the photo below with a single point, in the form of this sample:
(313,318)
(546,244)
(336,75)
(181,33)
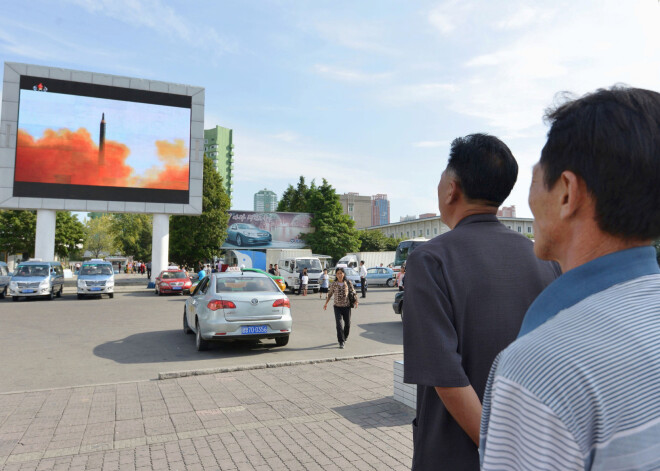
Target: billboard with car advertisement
(267,230)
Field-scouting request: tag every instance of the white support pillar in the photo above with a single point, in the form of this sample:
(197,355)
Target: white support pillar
(44,243)
(160,245)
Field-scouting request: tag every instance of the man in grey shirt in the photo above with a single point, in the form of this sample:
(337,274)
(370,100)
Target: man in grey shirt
(466,294)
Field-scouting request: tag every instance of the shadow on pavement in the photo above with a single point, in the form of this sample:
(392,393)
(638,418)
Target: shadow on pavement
(174,346)
(390,333)
(377,413)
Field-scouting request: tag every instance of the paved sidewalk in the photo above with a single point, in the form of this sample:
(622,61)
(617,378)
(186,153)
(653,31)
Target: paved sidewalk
(332,416)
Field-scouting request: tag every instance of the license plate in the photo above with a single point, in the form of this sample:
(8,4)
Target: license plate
(254,329)
(96,288)
(176,288)
(27,291)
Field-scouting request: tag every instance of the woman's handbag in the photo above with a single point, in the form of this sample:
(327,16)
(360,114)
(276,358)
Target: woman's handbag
(352,298)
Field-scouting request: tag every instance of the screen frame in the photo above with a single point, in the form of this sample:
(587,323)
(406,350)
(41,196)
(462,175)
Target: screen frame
(22,195)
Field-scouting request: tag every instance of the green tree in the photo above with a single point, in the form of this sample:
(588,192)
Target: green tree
(335,232)
(295,200)
(132,234)
(99,237)
(17,232)
(372,241)
(69,234)
(197,238)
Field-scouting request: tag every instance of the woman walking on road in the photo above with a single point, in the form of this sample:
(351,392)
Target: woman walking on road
(340,289)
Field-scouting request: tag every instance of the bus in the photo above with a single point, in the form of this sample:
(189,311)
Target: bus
(404,249)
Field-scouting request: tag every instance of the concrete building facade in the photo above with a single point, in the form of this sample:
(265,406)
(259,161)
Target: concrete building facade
(219,147)
(433,226)
(265,201)
(358,208)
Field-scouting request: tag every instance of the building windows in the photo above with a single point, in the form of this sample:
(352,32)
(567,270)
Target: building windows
(519,229)
(428,232)
(407,234)
(350,207)
(435,230)
(420,233)
(206,141)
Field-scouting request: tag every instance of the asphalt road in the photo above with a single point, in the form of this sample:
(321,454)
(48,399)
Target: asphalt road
(70,342)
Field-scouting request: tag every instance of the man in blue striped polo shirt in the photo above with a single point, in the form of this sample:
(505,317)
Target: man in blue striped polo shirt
(580,387)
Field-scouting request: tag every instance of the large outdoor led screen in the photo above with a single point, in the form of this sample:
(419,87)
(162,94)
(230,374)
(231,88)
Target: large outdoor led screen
(87,141)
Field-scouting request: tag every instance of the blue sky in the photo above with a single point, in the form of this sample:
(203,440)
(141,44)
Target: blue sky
(39,110)
(367,94)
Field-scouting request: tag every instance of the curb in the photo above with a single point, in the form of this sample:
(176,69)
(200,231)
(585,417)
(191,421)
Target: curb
(262,366)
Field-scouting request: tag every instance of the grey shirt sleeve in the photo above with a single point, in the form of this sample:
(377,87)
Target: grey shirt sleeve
(430,342)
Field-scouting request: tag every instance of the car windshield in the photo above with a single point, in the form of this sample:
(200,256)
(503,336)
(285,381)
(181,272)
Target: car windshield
(351,272)
(32,270)
(312,265)
(246,226)
(92,269)
(242,284)
(173,275)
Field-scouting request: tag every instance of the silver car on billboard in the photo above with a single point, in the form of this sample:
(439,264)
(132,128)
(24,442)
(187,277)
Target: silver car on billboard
(237,305)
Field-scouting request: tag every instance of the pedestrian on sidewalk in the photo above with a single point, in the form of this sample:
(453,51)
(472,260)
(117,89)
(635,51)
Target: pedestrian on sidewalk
(363,278)
(340,289)
(300,278)
(149,270)
(324,279)
(304,281)
(400,276)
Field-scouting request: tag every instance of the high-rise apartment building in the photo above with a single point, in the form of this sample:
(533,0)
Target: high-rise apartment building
(265,201)
(219,147)
(380,210)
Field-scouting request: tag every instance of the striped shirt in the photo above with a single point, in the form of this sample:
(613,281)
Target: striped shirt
(582,391)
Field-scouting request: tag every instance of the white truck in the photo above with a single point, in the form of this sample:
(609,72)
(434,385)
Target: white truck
(291,265)
(371,259)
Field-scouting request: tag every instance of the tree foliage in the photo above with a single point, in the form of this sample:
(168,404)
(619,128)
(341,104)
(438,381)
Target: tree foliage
(376,241)
(99,237)
(197,238)
(17,232)
(132,234)
(296,200)
(335,232)
(69,234)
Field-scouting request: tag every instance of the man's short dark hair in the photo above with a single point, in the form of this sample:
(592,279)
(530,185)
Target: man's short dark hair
(484,167)
(611,139)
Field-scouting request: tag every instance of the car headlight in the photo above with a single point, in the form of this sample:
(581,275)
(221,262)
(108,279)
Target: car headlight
(13,285)
(165,285)
(44,284)
(110,283)
(81,283)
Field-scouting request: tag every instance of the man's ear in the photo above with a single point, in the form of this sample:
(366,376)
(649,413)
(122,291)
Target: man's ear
(572,194)
(453,192)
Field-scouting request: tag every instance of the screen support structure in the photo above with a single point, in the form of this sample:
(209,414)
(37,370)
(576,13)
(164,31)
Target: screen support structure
(44,243)
(160,244)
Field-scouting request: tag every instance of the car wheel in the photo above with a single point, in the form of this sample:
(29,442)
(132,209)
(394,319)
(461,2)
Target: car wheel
(51,295)
(59,293)
(111,295)
(390,283)
(200,343)
(239,241)
(282,341)
(186,327)
(80,296)
(156,291)
(4,293)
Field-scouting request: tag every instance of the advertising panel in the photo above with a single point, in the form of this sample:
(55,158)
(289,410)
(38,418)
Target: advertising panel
(267,230)
(88,138)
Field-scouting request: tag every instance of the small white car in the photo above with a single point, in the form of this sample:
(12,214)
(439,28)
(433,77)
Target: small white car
(237,306)
(96,277)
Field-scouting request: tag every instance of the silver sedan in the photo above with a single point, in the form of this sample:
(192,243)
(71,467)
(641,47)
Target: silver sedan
(237,306)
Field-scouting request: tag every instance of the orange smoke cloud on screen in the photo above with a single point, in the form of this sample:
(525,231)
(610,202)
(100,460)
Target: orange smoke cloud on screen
(72,157)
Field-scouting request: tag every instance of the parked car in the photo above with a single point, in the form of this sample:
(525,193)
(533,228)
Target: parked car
(237,306)
(279,280)
(351,274)
(37,278)
(245,234)
(381,276)
(172,280)
(397,305)
(96,277)
(4,279)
